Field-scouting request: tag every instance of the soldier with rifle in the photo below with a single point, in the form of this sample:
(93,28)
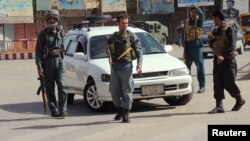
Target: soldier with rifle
(50,63)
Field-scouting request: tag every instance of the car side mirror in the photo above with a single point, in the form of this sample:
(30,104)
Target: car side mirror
(79,56)
(168,48)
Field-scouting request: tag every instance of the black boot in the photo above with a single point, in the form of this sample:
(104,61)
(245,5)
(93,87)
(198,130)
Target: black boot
(239,103)
(218,109)
(125,117)
(119,114)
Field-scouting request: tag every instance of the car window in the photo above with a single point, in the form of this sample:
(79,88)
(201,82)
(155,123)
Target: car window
(82,44)
(245,21)
(208,27)
(98,45)
(71,48)
(67,39)
(79,48)
(149,44)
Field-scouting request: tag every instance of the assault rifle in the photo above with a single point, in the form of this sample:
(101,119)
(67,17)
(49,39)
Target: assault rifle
(42,89)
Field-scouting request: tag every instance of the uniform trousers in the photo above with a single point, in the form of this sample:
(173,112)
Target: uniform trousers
(54,73)
(122,86)
(224,75)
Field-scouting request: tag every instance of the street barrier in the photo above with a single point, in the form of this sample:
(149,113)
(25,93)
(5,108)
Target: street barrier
(17,49)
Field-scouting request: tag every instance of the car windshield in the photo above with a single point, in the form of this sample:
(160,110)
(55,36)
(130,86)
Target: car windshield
(98,45)
(207,27)
(246,21)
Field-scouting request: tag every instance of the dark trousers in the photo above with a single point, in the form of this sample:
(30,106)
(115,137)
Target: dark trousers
(54,73)
(224,75)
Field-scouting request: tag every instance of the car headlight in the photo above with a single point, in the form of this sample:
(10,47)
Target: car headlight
(179,72)
(105,77)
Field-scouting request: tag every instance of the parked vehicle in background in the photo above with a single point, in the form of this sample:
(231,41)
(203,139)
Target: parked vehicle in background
(155,28)
(240,40)
(88,69)
(208,26)
(245,25)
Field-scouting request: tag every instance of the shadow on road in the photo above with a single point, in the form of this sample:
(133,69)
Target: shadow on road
(77,109)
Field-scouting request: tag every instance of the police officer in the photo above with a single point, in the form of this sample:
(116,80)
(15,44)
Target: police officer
(192,37)
(49,61)
(231,13)
(222,41)
(123,47)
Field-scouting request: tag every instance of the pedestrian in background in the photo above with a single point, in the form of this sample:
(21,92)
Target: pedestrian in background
(50,64)
(123,48)
(192,43)
(223,42)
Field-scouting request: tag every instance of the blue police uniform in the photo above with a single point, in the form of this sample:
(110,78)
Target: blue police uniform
(121,83)
(49,58)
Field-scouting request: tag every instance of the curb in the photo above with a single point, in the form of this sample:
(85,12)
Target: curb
(17,56)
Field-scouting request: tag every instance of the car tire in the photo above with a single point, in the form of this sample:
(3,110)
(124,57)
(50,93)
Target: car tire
(91,98)
(163,39)
(241,49)
(179,100)
(70,99)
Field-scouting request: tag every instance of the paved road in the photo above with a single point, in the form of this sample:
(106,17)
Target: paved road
(22,115)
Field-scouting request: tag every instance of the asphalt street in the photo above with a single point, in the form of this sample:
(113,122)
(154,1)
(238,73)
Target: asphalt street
(22,116)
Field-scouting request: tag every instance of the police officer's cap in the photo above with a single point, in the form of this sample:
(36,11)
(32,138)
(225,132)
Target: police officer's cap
(230,1)
(53,13)
(219,13)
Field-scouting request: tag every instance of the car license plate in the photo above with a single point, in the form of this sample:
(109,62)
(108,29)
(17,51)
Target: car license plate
(152,89)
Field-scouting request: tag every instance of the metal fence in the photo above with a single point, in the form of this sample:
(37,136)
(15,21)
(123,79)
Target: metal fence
(22,45)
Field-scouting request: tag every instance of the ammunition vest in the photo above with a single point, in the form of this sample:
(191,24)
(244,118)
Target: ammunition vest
(49,50)
(192,32)
(119,43)
(220,41)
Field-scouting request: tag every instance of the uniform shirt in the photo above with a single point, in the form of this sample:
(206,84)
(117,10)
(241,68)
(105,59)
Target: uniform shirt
(49,39)
(230,43)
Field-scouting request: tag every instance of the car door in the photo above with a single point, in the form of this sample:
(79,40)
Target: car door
(81,68)
(69,64)
(76,69)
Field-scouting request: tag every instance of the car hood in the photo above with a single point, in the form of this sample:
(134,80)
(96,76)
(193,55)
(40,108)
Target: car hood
(151,63)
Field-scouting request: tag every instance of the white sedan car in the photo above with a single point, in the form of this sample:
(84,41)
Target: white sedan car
(88,69)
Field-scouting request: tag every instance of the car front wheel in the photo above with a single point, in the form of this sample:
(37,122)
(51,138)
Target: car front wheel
(91,97)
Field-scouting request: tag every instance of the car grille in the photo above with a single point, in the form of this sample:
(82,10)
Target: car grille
(166,87)
(151,74)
